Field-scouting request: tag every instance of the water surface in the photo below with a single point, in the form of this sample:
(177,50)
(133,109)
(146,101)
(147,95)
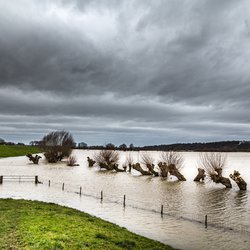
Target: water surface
(185,203)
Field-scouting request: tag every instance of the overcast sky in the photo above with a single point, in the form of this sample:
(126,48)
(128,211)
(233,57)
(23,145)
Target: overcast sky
(133,71)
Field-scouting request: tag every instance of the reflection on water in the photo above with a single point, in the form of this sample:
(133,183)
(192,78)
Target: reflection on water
(188,200)
(240,199)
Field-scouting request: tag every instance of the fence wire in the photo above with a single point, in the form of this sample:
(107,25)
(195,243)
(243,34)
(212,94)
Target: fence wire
(205,219)
(208,220)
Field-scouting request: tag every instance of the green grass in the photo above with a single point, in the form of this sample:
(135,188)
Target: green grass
(38,225)
(16,150)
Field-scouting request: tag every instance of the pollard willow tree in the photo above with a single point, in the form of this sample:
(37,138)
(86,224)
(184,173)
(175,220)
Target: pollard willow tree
(108,159)
(214,163)
(148,162)
(239,180)
(172,163)
(56,145)
(129,162)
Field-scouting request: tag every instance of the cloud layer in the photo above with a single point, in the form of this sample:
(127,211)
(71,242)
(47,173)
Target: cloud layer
(136,71)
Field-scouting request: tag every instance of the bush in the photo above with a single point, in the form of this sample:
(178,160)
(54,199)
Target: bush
(57,145)
(71,161)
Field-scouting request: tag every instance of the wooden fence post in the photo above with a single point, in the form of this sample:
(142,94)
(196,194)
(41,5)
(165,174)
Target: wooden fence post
(101,196)
(49,183)
(161,210)
(36,179)
(63,186)
(80,191)
(205,221)
(124,200)
(1,179)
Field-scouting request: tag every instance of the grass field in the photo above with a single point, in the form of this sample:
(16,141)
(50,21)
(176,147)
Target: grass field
(16,150)
(38,225)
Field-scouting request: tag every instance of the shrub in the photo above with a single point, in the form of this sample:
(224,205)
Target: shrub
(71,161)
(57,145)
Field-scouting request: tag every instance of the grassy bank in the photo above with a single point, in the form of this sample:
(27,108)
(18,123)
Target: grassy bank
(16,150)
(38,225)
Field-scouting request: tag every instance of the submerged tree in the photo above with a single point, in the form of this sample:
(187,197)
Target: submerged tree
(213,163)
(35,159)
(172,163)
(71,161)
(239,180)
(108,159)
(57,145)
(148,162)
(201,175)
(137,166)
(91,162)
(163,169)
(129,162)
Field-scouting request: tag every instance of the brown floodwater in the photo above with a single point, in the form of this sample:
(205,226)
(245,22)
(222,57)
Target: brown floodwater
(185,204)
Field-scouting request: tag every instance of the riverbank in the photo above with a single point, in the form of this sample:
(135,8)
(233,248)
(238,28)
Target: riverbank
(16,150)
(38,225)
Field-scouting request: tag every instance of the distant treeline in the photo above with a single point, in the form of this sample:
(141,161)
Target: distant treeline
(222,146)
(3,142)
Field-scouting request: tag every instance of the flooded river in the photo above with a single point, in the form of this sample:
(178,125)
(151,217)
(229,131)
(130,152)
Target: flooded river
(185,204)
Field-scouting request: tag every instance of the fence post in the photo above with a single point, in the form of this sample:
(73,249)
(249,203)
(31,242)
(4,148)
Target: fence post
(161,210)
(36,179)
(205,221)
(1,179)
(101,196)
(124,200)
(80,191)
(63,186)
(49,183)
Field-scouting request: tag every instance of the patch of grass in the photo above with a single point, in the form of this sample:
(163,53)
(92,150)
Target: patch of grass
(37,225)
(16,150)
(126,244)
(101,236)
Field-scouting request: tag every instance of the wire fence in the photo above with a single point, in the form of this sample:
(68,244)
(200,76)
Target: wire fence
(19,178)
(208,220)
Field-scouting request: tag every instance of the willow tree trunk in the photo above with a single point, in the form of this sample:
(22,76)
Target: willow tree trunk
(175,172)
(164,169)
(151,169)
(201,175)
(239,180)
(35,159)
(218,178)
(138,167)
(91,162)
(106,166)
(226,182)
(118,169)
(129,167)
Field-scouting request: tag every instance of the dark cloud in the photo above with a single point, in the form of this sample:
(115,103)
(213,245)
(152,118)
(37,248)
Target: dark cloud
(147,72)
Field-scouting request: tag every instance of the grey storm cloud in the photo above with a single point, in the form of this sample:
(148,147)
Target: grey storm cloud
(140,71)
